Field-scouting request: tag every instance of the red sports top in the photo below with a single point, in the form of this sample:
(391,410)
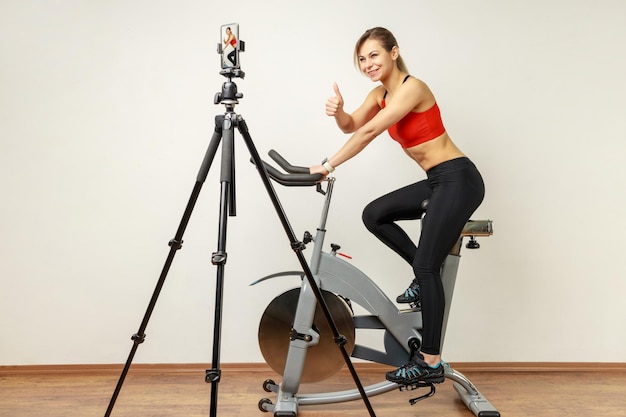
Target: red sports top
(416,128)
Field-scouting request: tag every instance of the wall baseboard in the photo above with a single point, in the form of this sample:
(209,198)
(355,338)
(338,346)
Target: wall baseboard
(261,367)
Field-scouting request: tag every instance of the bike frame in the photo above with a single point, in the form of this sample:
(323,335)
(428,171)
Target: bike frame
(338,276)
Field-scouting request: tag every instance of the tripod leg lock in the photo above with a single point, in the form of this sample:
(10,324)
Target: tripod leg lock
(138,338)
(218,258)
(298,246)
(175,244)
(340,340)
(212,375)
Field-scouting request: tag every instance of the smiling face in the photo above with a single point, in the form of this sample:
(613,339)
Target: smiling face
(373,52)
(376,62)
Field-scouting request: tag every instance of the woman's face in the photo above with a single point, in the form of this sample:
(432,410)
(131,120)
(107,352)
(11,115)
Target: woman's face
(375,61)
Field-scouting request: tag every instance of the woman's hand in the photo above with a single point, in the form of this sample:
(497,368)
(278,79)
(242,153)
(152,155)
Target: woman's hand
(334,104)
(318,169)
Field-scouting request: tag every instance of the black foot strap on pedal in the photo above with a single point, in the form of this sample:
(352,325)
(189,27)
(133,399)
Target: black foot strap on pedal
(418,385)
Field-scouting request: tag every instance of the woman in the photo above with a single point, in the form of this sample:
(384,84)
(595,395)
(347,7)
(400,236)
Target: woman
(406,107)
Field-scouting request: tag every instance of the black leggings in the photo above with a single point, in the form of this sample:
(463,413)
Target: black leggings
(455,189)
(232,57)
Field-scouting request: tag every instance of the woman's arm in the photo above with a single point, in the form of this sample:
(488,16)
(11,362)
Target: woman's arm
(348,123)
(408,96)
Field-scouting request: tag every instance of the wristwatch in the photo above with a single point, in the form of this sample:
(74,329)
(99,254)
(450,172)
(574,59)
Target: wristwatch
(328,166)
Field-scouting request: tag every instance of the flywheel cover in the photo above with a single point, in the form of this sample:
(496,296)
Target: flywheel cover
(322,360)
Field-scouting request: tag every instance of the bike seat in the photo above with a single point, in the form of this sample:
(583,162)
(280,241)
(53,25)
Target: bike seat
(472,227)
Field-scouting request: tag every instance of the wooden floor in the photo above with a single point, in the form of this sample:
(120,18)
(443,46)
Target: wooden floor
(154,391)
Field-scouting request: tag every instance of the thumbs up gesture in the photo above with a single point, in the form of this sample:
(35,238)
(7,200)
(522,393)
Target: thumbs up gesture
(334,104)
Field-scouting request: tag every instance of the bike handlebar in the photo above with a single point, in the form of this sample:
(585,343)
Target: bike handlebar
(296,176)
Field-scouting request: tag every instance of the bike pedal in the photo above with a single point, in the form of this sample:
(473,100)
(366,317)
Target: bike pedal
(414,386)
(416,306)
(429,394)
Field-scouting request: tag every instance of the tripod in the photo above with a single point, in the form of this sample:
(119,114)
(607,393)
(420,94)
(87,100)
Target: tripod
(224,133)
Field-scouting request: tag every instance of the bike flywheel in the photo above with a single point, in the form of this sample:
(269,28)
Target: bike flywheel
(322,360)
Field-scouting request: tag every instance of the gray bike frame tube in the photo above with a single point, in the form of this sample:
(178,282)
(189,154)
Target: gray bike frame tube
(340,277)
(321,230)
(329,193)
(347,395)
(302,324)
(305,312)
(472,398)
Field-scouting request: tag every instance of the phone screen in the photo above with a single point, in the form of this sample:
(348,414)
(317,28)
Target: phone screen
(230,45)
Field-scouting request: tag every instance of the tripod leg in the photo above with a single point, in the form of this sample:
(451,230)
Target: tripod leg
(218,258)
(298,248)
(175,244)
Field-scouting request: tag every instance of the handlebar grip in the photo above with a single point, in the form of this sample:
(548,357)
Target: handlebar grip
(282,162)
(292,180)
(298,176)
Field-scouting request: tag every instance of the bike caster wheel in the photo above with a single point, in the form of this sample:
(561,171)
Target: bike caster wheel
(263,402)
(270,386)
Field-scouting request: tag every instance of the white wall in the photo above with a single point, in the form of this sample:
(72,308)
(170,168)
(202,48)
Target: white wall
(106,110)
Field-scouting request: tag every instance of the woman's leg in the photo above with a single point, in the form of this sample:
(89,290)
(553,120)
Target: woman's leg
(380,217)
(458,191)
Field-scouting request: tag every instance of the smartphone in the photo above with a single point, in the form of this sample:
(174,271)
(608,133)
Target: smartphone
(230,45)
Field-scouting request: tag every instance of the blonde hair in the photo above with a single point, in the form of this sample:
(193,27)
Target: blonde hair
(386,39)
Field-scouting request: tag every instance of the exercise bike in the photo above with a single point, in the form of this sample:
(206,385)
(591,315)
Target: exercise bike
(291,330)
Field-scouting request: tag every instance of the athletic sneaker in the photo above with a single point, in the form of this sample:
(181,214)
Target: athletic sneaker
(411,295)
(416,370)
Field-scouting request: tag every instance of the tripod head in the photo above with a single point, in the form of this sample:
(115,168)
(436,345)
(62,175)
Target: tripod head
(228,96)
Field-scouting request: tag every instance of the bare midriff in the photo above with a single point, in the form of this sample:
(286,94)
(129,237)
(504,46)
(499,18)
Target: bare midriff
(432,153)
